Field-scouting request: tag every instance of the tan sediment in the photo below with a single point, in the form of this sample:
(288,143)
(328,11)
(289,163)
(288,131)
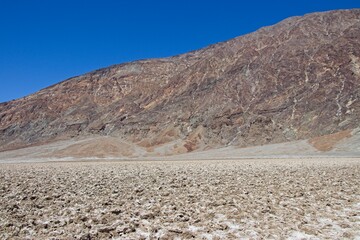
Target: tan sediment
(327,142)
(97,147)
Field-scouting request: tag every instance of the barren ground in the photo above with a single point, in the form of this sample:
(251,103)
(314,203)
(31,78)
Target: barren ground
(215,199)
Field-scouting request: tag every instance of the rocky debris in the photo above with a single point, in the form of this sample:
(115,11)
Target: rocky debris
(217,199)
(298,79)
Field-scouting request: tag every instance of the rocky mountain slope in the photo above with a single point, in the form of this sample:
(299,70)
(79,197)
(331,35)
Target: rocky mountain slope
(298,79)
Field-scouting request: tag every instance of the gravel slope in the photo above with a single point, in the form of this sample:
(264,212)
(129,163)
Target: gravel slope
(109,148)
(215,199)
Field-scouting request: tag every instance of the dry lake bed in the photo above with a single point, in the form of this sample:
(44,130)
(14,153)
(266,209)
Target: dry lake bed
(214,199)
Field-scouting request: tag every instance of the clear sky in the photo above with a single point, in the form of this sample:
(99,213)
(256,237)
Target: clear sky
(43,42)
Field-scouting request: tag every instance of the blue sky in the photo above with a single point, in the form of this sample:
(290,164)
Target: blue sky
(43,42)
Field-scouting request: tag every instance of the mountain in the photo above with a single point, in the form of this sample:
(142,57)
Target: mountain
(298,79)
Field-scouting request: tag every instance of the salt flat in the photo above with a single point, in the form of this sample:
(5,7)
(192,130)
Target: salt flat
(214,199)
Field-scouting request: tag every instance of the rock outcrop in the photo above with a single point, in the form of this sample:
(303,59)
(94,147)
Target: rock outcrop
(298,79)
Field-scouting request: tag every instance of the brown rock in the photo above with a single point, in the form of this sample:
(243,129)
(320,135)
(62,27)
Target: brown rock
(297,79)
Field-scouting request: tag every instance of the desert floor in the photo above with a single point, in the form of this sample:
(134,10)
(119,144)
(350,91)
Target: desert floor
(214,199)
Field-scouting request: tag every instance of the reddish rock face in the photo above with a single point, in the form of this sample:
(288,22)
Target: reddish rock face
(294,80)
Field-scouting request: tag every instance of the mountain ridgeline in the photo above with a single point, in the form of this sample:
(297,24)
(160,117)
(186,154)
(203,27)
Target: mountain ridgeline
(298,79)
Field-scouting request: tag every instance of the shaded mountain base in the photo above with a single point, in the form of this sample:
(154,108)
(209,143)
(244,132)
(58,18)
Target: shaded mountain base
(341,144)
